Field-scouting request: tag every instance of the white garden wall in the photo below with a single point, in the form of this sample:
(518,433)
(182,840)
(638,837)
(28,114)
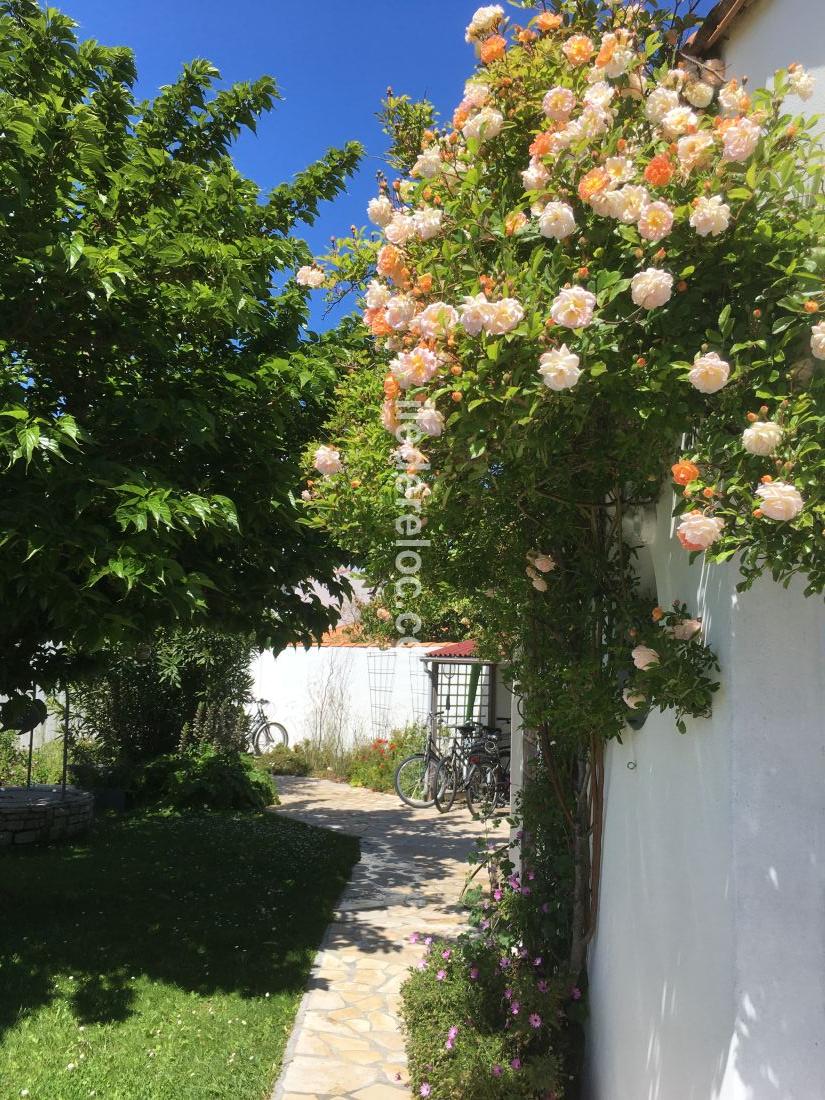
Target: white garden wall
(708,969)
(348,691)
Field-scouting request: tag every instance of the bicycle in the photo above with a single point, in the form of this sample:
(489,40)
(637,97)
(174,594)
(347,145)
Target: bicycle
(264,733)
(476,769)
(414,778)
(488,781)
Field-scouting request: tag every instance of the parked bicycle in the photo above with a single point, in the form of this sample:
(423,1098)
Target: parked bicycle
(415,776)
(264,733)
(477,766)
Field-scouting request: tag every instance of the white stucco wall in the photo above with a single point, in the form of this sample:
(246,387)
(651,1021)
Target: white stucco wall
(708,969)
(327,689)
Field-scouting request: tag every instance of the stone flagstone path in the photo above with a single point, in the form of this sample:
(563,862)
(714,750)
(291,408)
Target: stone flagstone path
(347,1042)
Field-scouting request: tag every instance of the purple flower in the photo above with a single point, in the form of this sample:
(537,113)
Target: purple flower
(504,963)
(545,907)
(575,993)
(508,993)
(441,975)
(515,1008)
(497,895)
(485,924)
(537,961)
(516,1063)
(497,1070)
(446,953)
(449,1044)
(526,891)
(414,937)
(520,834)
(541,985)
(422,964)
(425,1089)
(531,875)
(451,1034)
(535,1019)
(427,941)
(473,973)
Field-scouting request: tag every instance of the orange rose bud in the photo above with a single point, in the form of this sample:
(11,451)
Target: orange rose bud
(753,417)
(396,185)
(758,513)
(456,396)
(514,222)
(356,483)
(686,493)
(657,614)
(456,371)
(757,313)
(708,493)
(659,254)
(526,37)
(583,272)
(425,283)
(766,479)
(811,307)
(659,171)
(427,137)
(681,286)
(492,49)
(684,472)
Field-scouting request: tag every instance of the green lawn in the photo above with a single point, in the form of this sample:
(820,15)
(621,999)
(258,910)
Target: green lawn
(163,957)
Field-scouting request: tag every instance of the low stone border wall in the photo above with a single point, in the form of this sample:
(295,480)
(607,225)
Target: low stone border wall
(39,814)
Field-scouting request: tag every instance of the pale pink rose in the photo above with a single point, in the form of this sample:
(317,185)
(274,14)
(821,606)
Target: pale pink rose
(310,276)
(633,699)
(476,95)
(655,221)
(400,229)
(558,104)
(697,531)
(651,288)
(644,657)
(675,78)
(484,22)
(608,204)
(739,139)
(709,373)
(599,95)
(418,492)
(591,123)
(427,222)
(400,311)
(659,102)
(536,579)
(535,176)
(710,215)
(578,49)
(483,126)
(428,163)
(698,93)
(762,438)
(686,629)
(573,307)
(557,220)
(801,82)
(543,562)
(693,150)
(327,461)
(306,494)
(779,500)
(415,368)
(633,198)
(437,321)
(678,122)
(380,211)
(620,169)
(429,419)
(409,455)
(733,99)
(622,59)
(475,313)
(504,316)
(377,295)
(559,368)
(389,416)
(383,614)
(818,340)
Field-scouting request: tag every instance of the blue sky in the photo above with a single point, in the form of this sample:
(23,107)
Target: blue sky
(333,61)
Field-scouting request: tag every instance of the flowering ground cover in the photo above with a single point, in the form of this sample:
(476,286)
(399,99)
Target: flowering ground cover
(164,956)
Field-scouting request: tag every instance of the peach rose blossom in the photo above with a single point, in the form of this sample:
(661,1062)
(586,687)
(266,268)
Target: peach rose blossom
(632,199)
(739,139)
(428,163)
(415,368)
(327,460)
(400,310)
(801,82)
(633,699)
(535,176)
(818,340)
(779,500)
(310,276)
(476,312)
(377,294)
(484,21)
(697,530)
(536,579)
(400,229)
(644,657)
(710,215)
(573,307)
(698,93)
(578,49)
(678,121)
(437,321)
(389,416)
(733,99)
(380,211)
(483,126)
(762,438)
(709,373)
(655,221)
(558,104)
(651,288)
(599,95)
(427,222)
(504,316)
(429,419)
(544,563)
(693,150)
(559,368)
(686,629)
(476,95)
(620,169)
(557,220)
(660,102)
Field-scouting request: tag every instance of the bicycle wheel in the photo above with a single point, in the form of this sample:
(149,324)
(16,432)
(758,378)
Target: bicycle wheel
(415,780)
(268,735)
(446,782)
(482,789)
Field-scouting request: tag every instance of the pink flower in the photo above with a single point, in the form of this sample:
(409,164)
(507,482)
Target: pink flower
(709,372)
(497,895)
(535,1020)
(516,1063)
(575,993)
(541,985)
(425,1089)
(686,629)
(655,221)
(558,104)
(698,530)
(496,1070)
(573,307)
(414,937)
(515,1008)
(441,975)
(644,657)
(327,461)
(779,500)
(473,973)
(446,953)
(451,1034)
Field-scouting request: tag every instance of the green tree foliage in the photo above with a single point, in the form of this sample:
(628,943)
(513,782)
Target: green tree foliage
(155,395)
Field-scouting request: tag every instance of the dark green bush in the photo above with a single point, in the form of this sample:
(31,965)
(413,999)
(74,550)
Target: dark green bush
(477,1029)
(12,760)
(204,779)
(281,760)
(374,764)
(224,726)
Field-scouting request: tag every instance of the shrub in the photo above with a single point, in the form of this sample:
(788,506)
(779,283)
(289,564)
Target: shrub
(224,726)
(204,779)
(281,760)
(12,760)
(374,765)
(477,1029)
